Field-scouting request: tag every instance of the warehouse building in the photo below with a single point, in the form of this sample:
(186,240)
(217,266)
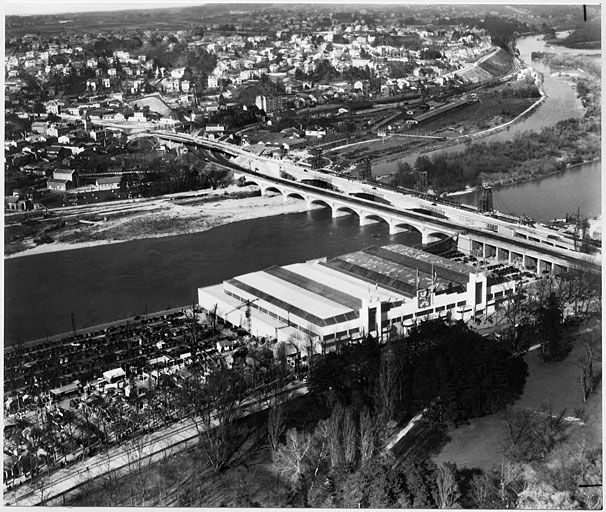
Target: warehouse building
(378,291)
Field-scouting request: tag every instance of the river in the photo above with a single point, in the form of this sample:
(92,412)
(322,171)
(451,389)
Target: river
(110,282)
(561,102)
(551,197)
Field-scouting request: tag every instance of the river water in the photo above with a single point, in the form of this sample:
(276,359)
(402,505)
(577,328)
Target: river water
(110,282)
(551,197)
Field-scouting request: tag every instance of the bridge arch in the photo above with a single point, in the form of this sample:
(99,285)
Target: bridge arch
(370,218)
(401,226)
(340,211)
(312,201)
(248,183)
(295,195)
(271,188)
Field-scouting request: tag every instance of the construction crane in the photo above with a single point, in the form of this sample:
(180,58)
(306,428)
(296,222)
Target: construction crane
(245,304)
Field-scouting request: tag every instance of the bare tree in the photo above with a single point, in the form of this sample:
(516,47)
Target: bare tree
(214,404)
(447,487)
(532,434)
(509,473)
(276,424)
(387,384)
(334,426)
(292,457)
(350,437)
(585,363)
(480,490)
(218,435)
(368,435)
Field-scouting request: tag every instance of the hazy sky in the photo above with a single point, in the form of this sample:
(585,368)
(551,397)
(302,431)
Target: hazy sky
(67,6)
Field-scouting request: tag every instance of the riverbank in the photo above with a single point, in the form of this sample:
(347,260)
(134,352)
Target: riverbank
(516,180)
(162,217)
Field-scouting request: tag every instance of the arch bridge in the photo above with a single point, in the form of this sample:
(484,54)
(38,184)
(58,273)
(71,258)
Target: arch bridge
(367,211)
(372,202)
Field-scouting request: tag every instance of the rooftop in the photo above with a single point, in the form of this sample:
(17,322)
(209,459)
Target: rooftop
(396,267)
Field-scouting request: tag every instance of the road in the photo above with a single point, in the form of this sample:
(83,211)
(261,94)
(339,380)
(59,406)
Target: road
(56,487)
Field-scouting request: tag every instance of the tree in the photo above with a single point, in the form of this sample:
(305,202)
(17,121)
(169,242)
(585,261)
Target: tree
(482,491)
(276,424)
(334,434)
(551,330)
(508,479)
(515,311)
(531,435)
(214,406)
(294,460)
(542,496)
(387,385)
(368,435)
(447,487)
(350,437)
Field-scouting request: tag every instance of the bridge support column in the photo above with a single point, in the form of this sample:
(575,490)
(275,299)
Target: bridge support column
(365,221)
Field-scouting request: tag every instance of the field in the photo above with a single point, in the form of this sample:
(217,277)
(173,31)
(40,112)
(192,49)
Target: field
(555,385)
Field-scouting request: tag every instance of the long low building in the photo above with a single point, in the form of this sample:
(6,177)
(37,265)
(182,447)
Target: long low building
(378,291)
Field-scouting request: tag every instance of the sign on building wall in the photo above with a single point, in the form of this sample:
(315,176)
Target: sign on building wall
(424,298)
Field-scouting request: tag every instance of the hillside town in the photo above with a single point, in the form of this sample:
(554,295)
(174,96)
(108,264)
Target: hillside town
(72,97)
(267,256)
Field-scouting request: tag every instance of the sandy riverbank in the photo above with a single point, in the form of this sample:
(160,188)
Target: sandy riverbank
(164,217)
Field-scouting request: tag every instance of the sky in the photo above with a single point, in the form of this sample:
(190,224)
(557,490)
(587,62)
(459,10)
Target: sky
(68,6)
(27,7)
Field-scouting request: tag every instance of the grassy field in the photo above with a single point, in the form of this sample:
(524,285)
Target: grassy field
(554,385)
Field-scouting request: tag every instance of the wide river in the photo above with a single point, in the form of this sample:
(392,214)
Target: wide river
(114,281)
